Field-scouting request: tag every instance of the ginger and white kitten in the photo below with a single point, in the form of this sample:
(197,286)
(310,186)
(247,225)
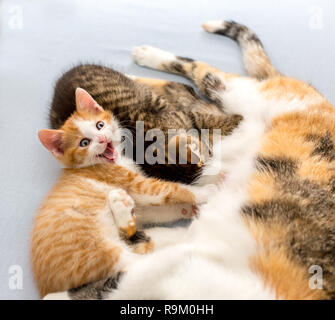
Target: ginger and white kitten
(269,233)
(85,229)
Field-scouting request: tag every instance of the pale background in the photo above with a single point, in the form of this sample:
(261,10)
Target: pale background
(39,39)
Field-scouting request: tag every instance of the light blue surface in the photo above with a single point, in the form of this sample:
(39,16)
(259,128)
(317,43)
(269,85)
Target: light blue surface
(39,39)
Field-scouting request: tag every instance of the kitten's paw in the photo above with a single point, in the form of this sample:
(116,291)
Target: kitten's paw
(203,193)
(190,211)
(151,57)
(141,243)
(187,149)
(143,247)
(122,207)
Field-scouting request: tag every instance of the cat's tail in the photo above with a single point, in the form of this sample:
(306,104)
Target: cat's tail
(256,61)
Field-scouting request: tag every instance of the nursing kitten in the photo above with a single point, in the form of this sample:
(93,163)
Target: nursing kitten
(269,233)
(79,230)
(159,104)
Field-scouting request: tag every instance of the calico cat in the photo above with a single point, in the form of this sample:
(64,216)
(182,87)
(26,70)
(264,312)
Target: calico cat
(78,232)
(269,233)
(159,104)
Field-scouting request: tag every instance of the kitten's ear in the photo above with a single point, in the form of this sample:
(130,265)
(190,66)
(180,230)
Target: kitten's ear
(53,141)
(85,102)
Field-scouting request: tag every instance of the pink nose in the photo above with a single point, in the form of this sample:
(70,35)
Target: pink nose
(102,139)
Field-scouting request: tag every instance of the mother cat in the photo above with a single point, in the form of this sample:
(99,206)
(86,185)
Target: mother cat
(270,230)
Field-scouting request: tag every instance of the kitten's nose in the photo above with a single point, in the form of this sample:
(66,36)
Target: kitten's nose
(102,138)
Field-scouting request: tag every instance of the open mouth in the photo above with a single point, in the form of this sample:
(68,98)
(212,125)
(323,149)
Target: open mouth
(110,153)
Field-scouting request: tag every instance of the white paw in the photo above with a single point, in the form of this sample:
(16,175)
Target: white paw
(214,25)
(122,207)
(57,296)
(151,57)
(202,194)
(190,211)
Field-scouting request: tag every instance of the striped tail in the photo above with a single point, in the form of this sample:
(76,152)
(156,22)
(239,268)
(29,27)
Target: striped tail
(256,61)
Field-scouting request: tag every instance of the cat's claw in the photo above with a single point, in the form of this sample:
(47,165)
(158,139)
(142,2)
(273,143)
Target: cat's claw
(151,57)
(122,207)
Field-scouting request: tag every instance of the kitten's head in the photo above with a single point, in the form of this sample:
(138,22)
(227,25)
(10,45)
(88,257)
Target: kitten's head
(90,136)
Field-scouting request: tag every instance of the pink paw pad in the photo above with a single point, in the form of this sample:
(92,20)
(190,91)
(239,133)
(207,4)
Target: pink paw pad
(184,211)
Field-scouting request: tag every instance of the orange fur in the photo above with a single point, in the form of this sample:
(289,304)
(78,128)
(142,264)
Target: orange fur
(261,188)
(286,277)
(279,87)
(75,240)
(287,137)
(155,83)
(287,212)
(69,247)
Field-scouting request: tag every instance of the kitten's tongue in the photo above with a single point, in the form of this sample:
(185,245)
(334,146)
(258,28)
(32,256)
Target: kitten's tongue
(110,153)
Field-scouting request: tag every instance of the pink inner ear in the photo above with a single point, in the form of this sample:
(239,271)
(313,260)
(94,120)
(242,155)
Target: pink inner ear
(85,102)
(52,140)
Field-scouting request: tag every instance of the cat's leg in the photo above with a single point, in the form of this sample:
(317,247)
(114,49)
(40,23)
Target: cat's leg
(216,124)
(196,71)
(175,93)
(184,147)
(232,92)
(180,95)
(149,215)
(152,82)
(149,191)
(140,242)
(236,94)
(255,59)
(122,207)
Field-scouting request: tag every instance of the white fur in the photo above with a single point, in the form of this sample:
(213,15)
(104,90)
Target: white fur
(89,130)
(151,57)
(214,25)
(57,296)
(210,260)
(121,205)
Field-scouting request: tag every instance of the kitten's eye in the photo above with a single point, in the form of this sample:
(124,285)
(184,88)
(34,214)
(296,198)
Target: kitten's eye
(100,125)
(85,142)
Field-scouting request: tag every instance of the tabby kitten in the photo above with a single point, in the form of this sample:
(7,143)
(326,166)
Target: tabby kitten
(269,233)
(78,230)
(158,103)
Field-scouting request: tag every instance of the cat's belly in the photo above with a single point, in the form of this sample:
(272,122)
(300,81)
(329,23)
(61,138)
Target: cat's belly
(183,273)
